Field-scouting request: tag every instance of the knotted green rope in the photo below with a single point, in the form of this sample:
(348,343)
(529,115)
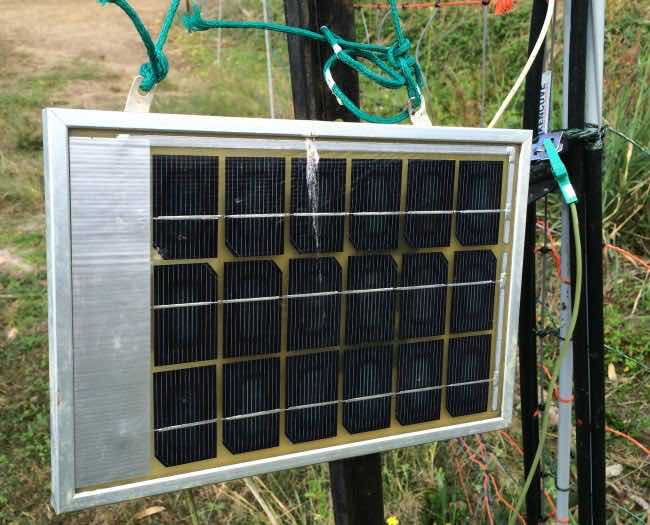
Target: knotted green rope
(398,67)
(157,68)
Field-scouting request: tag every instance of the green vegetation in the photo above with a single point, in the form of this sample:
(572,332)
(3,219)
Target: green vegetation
(428,484)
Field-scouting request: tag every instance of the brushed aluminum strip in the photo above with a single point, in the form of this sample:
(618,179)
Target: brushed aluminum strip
(110,238)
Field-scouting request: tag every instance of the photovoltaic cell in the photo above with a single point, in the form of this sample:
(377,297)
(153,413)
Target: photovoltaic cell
(253,297)
(185,397)
(250,387)
(370,315)
(376,186)
(479,188)
(311,379)
(367,372)
(419,366)
(473,305)
(314,322)
(430,188)
(184,334)
(184,185)
(324,233)
(254,185)
(469,360)
(251,327)
(422,311)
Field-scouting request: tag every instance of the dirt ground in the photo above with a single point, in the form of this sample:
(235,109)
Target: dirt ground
(46,34)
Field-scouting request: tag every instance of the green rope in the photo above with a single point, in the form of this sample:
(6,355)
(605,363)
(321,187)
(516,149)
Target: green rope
(157,68)
(397,67)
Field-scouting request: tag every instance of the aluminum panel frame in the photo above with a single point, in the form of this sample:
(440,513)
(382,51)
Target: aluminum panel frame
(58,125)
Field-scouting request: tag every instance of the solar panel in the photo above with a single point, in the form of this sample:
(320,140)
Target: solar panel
(223,303)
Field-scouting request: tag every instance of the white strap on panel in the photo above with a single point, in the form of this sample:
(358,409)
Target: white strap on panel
(137,101)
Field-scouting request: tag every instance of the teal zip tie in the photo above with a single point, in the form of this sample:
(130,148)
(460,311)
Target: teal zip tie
(560,173)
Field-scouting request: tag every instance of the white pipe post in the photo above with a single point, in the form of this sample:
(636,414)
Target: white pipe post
(269,67)
(565,381)
(595,62)
(566,52)
(565,388)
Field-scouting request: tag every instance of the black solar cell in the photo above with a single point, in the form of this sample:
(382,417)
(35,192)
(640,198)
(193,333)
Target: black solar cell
(367,372)
(376,187)
(479,188)
(254,185)
(184,415)
(250,387)
(468,361)
(473,304)
(314,322)
(371,314)
(312,379)
(318,233)
(419,367)
(422,310)
(184,334)
(184,186)
(430,188)
(251,327)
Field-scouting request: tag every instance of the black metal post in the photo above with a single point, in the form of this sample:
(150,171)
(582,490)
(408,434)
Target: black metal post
(589,511)
(357,495)
(527,311)
(595,333)
(312,99)
(528,369)
(356,483)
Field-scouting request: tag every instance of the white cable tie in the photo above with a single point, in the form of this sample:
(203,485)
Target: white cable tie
(337,48)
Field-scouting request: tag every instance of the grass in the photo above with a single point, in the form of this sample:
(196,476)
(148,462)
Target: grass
(429,484)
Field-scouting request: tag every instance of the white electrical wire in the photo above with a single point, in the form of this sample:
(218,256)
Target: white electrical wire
(269,66)
(524,72)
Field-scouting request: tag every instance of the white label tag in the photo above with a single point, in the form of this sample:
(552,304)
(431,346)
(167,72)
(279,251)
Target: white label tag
(137,101)
(544,116)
